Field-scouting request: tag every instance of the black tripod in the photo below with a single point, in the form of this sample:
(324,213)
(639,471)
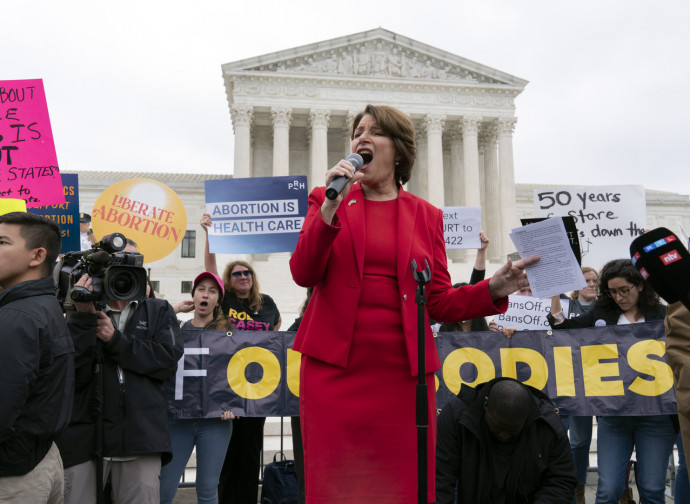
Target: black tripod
(422,278)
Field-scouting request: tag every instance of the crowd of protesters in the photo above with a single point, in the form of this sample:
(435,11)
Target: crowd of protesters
(85,416)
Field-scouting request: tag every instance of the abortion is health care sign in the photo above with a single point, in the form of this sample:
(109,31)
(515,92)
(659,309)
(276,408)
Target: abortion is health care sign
(256,215)
(144,210)
(28,163)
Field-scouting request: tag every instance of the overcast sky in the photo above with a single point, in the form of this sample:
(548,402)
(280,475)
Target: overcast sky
(136,85)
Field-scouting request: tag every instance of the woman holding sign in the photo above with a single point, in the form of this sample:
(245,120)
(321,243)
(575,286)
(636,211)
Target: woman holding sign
(358,338)
(211,436)
(626,298)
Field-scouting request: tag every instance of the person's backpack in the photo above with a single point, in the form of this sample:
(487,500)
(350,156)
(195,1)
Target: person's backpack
(280,478)
(280,482)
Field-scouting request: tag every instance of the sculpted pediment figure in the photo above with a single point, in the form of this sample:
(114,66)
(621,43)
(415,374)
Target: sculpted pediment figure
(375,54)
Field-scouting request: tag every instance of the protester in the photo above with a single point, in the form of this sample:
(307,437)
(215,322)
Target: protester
(248,310)
(139,344)
(502,442)
(358,338)
(478,274)
(580,427)
(86,237)
(625,298)
(677,324)
(36,362)
(211,436)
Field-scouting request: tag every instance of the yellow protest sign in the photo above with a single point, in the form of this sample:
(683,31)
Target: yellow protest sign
(144,210)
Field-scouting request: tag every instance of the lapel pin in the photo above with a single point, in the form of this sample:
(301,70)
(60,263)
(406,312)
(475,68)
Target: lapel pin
(352,202)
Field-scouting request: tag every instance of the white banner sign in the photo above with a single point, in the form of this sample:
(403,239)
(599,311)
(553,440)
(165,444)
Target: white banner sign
(608,218)
(526,313)
(461,227)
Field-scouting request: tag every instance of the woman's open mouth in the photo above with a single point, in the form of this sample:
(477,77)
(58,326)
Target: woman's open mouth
(367,157)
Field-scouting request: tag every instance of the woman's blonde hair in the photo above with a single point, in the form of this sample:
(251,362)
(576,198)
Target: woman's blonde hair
(254,292)
(585,269)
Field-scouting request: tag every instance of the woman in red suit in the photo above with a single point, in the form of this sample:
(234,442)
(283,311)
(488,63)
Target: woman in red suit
(358,336)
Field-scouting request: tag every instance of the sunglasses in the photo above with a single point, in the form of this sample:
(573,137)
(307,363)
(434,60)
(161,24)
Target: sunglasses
(240,274)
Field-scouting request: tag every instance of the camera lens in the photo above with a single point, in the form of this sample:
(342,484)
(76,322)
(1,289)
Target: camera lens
(123,284)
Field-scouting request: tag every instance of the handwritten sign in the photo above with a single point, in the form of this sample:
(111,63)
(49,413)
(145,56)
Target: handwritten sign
(461,226)
(28,163)
(608,218)
(526,313)
(256,215)
(144,210)
(65,215)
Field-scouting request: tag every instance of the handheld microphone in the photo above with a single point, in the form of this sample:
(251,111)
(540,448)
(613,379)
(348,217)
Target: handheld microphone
(664,262)
(338,184)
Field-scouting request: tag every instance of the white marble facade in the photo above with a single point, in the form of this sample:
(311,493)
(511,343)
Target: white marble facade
(291,113)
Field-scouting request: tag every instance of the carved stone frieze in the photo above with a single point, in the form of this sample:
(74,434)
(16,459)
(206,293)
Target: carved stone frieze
(376,58)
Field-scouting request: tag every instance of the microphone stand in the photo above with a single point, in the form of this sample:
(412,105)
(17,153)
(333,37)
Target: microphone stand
(422,278)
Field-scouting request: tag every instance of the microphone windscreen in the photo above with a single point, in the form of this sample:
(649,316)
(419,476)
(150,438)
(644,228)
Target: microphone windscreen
(100,257)
(355,160)
(664,262)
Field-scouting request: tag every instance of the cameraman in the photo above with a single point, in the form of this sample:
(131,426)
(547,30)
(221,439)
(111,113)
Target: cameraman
(140,344)
(36,361)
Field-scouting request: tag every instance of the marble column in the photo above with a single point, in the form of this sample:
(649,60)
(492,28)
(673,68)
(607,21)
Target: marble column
(434,133)
(347,141)
(419,182)
(282,118)
(470,126)
(457,178)
(509,219)
(493,204)
(242,116)
(318,124)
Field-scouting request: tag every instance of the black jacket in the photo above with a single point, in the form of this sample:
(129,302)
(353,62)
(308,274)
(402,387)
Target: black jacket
(542,471)
(36,374)
(134,411)
(598,316)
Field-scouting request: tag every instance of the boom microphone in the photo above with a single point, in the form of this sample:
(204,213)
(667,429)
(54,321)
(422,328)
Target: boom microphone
(338,184)
(664,262)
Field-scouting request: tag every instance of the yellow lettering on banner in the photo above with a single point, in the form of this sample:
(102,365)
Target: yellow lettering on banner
(437,383)
(294,360)
(594,370)
(536,362)
(563,366)
(660,371)
(238,381)
(454,361)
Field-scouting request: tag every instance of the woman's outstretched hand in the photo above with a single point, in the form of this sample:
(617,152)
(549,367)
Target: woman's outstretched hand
(510,277)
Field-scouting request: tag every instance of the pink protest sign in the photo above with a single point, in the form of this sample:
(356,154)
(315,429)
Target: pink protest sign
(28,163)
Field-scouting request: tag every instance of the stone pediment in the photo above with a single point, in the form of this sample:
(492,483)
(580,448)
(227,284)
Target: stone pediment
(375,54)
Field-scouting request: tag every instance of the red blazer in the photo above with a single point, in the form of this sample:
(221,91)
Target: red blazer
(331,259)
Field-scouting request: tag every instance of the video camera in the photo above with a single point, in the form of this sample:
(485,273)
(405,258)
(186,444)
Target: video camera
(115,275)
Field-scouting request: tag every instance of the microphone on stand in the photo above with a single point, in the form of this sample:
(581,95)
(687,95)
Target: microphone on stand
(664,262)
(339,183)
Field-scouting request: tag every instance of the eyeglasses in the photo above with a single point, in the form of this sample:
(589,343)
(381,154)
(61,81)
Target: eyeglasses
(623,291)
(240,274)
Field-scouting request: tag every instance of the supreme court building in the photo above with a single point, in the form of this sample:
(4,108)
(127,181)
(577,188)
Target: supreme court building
(292,111)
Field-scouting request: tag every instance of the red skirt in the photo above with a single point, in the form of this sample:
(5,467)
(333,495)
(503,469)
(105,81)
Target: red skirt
(358,423)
